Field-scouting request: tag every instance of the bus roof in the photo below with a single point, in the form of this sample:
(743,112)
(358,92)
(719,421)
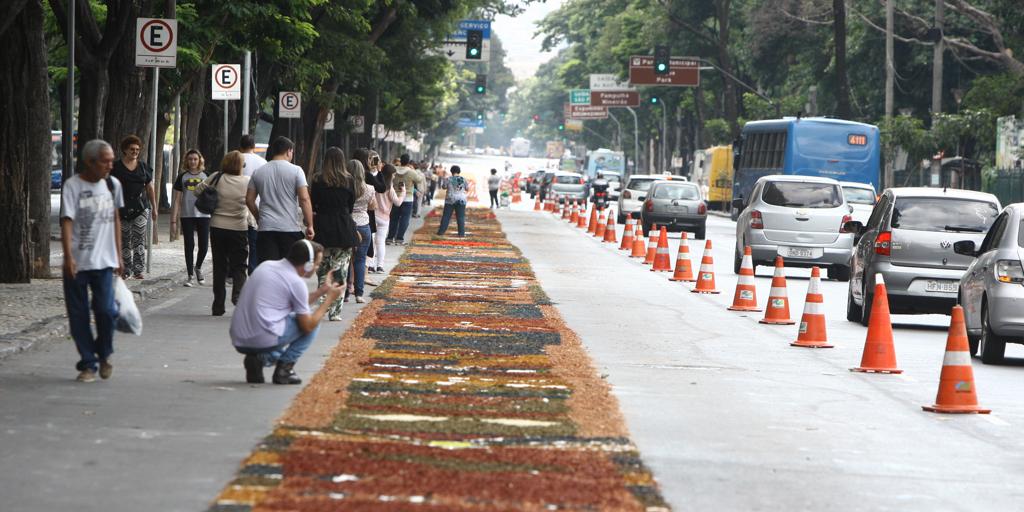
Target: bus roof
(784,123)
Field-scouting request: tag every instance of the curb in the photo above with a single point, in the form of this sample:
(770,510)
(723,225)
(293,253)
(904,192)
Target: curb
(56,327)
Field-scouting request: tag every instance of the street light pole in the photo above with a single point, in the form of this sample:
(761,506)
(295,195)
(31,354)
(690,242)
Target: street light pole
(664,134)
(618,126)
(636,141)
(67,138)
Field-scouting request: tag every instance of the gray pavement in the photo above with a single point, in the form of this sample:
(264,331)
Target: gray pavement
(165,433)
(730,417)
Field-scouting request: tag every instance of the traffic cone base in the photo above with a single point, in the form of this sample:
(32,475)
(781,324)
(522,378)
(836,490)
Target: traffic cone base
(956,382)
(879,351)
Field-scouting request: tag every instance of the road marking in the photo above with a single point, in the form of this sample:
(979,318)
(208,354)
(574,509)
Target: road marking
(995,420)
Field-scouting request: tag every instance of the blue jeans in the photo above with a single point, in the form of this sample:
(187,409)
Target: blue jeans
(359,261)
(404,216)
(460,217)
(91,349)
(290,345)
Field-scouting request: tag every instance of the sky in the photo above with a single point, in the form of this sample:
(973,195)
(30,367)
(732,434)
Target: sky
(523,50)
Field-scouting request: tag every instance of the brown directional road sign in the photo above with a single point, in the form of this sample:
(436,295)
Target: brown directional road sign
(615,98)
(684,71)
(584,112)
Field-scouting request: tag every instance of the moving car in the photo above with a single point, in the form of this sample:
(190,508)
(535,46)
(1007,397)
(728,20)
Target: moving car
(800,218)
(862,197)
(533,182)
(631,198)
(568,185)
(909,241)
(992,288)
(677,205)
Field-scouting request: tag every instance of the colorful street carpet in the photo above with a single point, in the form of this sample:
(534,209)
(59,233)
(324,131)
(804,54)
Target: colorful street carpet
(458,388)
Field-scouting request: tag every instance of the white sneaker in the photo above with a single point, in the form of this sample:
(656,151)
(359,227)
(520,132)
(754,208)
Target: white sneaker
(359,299)
(188,282)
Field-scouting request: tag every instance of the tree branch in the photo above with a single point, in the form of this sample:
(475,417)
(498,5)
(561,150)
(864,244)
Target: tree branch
(382,24)
(689,27)
(12,12)
(895,36)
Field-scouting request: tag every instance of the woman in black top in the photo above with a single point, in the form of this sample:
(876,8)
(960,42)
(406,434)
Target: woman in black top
(139,195)
(332,195)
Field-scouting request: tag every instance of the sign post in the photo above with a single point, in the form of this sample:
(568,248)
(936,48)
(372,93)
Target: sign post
(226,85)
(289,106)
(684,72)
(156,46)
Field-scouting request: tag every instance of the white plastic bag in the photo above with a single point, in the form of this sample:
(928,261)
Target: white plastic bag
(129,319)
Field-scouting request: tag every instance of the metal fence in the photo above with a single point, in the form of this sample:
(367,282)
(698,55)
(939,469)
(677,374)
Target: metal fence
(1007,185)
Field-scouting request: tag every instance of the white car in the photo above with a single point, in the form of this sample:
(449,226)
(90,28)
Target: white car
(862,197)
(632,197)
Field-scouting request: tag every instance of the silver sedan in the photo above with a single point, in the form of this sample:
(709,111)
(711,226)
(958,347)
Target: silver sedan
(992,288)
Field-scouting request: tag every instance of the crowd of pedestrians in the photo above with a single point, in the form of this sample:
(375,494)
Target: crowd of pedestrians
(267,230)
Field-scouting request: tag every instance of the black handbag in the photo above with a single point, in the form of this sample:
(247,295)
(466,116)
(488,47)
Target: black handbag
(206,201)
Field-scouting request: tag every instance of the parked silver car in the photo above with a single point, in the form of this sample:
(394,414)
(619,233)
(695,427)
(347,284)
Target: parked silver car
(677,205)
(800,218)
(909,240)
(992,288)
(569,185)
(632,198)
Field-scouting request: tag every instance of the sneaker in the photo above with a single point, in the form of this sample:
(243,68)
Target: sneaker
(389,242)
(380,270)
(285,374)
(106,369)
(188,282)
(253,369)
(400,242)
(333,318)
(199,277)
(359,299)
(87,375)
(371,270)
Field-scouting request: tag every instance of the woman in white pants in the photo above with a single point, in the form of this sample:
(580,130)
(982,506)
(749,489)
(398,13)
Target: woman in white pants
(393,194)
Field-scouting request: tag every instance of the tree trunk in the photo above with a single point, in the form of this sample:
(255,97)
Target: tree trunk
(92,96)
(842,82)
(193,112)
(24,147)
(130,109)
(211,133)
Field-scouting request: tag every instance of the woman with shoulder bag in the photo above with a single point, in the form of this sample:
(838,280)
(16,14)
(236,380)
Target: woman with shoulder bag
(193,221)
(332,193)
(229,228)
(139,195)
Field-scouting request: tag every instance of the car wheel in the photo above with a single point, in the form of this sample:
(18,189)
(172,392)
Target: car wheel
(865,309)
(737,261)
(853,311)
(622,218)
(701,233)
(972,340)
(839,273)
(734,214)
(646,227)
(990,345)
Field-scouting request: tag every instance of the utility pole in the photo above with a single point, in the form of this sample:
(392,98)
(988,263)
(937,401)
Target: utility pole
(889,79)
(618,126)
(940,20)
(636,141)
(664,135)
(246,74)
(67,137)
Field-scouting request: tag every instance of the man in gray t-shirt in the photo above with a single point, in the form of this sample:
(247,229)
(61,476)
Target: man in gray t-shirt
(282,191)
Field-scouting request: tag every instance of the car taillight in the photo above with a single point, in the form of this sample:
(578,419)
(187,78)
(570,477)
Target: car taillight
(883,243)
(581,181)
(842,224)
(627,195)
(649,206)
(756,221)
(1009,271)
(702,209)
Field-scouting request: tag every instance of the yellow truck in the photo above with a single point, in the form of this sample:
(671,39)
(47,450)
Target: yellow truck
(719,176)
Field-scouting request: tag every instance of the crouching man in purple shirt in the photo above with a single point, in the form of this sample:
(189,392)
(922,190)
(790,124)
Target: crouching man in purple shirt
(273,323)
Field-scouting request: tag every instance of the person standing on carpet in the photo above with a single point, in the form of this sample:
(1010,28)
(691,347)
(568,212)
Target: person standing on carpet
(384,203)
(193,221)
(273,323)
(454,201)
(333,196)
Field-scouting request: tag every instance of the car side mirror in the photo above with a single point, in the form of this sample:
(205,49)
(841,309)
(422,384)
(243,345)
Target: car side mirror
(853,226)
(737,203)
(850,206)
(965,247)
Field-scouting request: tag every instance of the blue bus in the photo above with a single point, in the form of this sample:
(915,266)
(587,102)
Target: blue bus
(810,146)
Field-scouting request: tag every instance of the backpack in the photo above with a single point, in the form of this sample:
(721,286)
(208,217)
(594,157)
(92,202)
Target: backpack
(206,201)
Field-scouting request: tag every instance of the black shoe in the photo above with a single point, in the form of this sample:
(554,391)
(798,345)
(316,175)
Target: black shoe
(254,370)
(199,277)
(283,374)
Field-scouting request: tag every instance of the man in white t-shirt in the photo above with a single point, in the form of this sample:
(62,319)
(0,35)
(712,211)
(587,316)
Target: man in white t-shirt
(272,323)
(91,237)
(247,147)
(284,205)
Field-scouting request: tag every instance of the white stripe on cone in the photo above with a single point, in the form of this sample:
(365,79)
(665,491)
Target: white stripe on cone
(959,358)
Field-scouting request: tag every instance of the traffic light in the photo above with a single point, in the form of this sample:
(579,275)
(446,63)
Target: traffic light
(561,127)
(481,84)
(655,100)
(474,44)
(662,60)
(479,116)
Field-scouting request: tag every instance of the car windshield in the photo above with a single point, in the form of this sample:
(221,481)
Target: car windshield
(942,214)
(681,192)
(794,194)
(640,185)
(857,195)
(569,180)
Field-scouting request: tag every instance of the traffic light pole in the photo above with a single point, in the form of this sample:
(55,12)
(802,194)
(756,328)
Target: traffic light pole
(618,126)
(636,141)
(778,108)
(664,134)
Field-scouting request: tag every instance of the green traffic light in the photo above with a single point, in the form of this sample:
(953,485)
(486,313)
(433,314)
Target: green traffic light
(661,67)
(654,101)
(561,127)
(473,51)
(479,89)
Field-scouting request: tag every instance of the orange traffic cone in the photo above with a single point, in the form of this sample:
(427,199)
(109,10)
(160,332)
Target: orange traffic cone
(745,298)
(879,352)
(956,383)
(627,235)
(574,217)
(684,268)
(652,246)
(536,204)
(592,227)
(639,247)
(582,223)
(812,333)
(602,222)
(559,207)
(777,311)
(706,276)
(609,229)
(662,259)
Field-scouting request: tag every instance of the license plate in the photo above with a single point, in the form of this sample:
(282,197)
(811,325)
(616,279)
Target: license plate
(941,286)
(800,252)
(678,209)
